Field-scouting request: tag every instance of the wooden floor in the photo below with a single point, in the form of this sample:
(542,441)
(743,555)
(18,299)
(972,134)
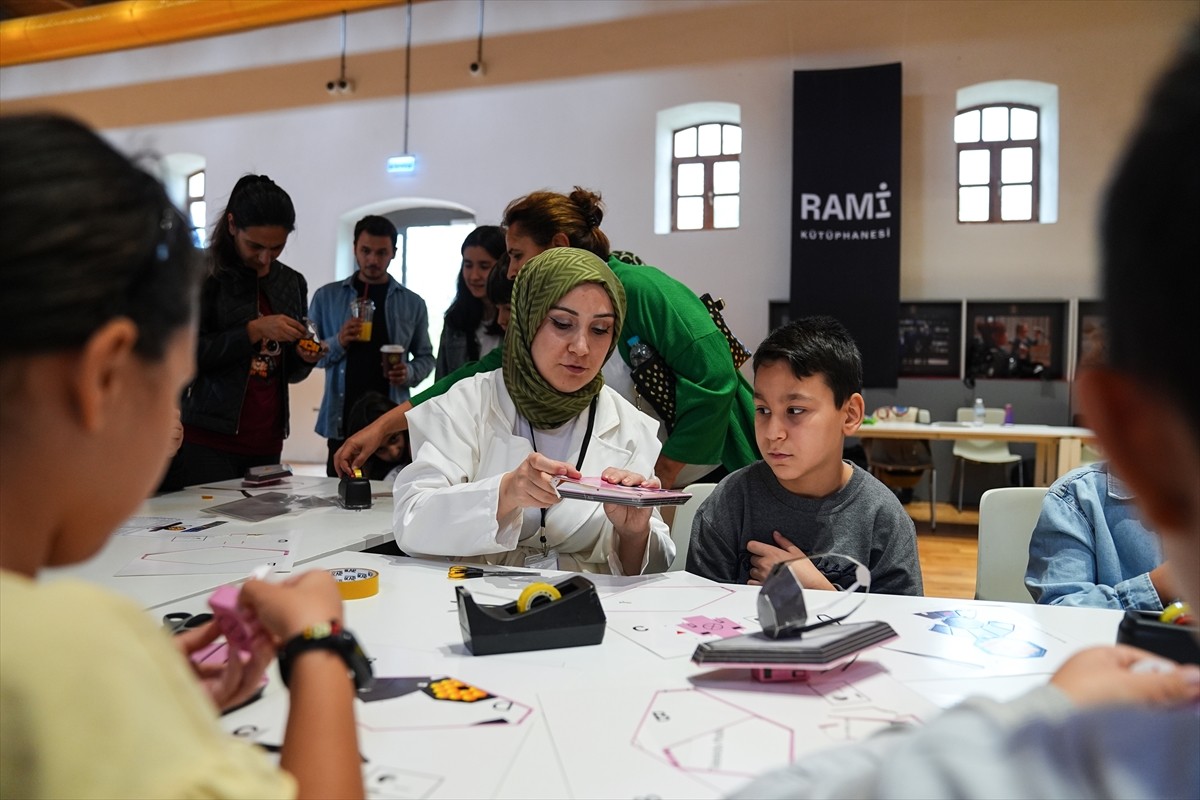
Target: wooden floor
(947,554)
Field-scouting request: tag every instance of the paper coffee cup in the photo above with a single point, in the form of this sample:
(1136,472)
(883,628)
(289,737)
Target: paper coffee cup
(392,354)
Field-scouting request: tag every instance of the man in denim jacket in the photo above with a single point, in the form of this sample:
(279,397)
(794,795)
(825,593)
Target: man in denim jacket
(1089,547)
(354,367)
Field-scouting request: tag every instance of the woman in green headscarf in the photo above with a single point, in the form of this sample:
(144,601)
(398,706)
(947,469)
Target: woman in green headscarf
(487,452)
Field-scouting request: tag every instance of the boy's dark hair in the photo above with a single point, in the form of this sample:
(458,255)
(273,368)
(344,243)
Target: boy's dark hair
(366,409)
(816,346)
(375,225)
(1151,239)
(499,285)
(499,290)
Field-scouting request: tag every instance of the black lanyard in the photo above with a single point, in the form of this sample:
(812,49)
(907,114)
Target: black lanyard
(587,437)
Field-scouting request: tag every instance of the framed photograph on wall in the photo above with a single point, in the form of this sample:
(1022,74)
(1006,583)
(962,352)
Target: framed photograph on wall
(1016,340)
(930,339)
(1090,335)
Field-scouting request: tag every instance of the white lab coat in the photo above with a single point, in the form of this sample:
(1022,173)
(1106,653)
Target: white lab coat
(463,443)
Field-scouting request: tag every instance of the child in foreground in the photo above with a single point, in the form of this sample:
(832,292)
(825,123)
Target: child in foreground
(95,699)
(802,498)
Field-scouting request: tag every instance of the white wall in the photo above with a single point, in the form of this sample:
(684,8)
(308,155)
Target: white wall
(591,121)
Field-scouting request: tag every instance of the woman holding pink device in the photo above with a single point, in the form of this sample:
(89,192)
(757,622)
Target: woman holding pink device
(486,453)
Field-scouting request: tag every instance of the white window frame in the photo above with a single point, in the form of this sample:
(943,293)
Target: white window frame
(670,120)
(1043,96)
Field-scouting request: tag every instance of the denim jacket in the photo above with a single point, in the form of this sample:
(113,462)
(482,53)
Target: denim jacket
(1089,547)
(407,324)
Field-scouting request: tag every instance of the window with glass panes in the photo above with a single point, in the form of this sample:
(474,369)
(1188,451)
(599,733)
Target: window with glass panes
(706,177)
(999,159)
(197,209)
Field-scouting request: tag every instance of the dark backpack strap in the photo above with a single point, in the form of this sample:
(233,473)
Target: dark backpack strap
(736,349)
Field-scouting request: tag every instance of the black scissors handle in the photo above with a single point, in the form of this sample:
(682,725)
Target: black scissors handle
(180,621)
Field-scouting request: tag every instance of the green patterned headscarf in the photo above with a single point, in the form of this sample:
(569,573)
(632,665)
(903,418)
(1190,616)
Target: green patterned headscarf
(540,284)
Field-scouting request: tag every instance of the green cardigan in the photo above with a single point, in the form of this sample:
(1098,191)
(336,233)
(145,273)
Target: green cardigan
(714,404)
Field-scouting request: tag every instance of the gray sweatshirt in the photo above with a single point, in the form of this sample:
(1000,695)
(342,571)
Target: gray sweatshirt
(863,520)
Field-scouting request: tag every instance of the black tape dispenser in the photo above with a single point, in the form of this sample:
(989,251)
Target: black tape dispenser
(354,491)
(567,614)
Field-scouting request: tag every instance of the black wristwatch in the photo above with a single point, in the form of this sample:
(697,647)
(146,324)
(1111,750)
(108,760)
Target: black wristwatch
(327,636)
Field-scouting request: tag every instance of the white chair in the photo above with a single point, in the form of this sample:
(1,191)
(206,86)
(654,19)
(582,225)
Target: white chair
(681,526)
(1090,454)
(1007,517)
(982,451)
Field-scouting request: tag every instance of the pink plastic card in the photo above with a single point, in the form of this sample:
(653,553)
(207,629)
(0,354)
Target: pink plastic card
(600,491)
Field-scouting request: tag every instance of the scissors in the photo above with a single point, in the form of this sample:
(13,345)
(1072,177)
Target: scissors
(180,621)
(459,573)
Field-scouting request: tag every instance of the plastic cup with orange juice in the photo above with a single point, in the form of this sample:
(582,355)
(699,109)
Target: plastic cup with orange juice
(363,309)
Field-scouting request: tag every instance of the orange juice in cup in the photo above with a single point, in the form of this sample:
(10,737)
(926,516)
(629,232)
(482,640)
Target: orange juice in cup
(363,308)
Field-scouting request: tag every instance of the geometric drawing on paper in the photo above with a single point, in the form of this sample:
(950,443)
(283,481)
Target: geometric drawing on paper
(995,637)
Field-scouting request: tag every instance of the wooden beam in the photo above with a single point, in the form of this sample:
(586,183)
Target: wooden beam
(127,24)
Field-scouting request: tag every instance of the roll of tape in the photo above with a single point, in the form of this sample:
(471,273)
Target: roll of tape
(356,583)
(535,591)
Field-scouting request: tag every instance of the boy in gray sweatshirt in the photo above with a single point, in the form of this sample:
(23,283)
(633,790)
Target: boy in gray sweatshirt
(802,498)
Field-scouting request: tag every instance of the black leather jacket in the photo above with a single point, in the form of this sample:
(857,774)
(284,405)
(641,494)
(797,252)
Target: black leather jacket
(228,301)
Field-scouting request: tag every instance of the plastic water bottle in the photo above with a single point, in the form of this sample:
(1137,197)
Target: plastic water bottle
(980,412)
(639,351)
(1008,414)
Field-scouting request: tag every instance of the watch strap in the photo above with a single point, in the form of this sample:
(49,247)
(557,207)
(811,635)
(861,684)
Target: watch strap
(327,636)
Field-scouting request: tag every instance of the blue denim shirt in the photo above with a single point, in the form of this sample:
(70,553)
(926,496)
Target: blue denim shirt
(1089,547)
(407,324)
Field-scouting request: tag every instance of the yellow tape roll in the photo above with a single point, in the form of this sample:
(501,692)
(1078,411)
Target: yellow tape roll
(532,592)
(355,583)
(1173,611)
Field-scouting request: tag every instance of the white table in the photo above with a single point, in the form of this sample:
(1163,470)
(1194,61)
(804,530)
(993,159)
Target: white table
(1058,448)
(633,716)
(320,532)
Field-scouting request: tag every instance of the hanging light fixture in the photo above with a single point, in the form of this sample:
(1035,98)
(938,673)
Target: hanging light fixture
(478,67)
(341,85)
(406,163)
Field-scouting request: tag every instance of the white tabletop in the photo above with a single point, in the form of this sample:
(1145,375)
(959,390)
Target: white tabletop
(317,532)
(634,716)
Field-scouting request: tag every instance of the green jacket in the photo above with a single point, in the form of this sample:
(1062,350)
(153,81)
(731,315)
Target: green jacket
(714,404)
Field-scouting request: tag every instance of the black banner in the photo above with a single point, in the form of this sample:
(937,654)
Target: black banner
(846,207)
